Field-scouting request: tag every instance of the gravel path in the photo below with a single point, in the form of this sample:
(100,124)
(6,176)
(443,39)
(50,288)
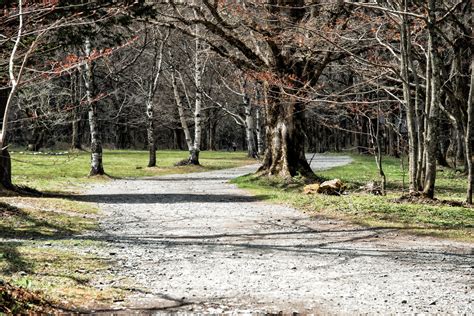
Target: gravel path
(195,242)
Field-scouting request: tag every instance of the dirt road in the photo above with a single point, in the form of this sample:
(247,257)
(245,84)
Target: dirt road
(197,243)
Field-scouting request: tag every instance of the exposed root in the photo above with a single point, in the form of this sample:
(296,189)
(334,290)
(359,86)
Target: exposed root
(185,162)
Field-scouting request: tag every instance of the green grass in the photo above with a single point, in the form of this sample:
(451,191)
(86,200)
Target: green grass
(38,235)
(35,251)
(69,172)
(371,210)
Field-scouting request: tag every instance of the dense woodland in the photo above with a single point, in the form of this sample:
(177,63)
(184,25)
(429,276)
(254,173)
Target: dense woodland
(277,78)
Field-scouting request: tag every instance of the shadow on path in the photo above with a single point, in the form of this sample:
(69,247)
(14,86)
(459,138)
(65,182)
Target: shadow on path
(166,198)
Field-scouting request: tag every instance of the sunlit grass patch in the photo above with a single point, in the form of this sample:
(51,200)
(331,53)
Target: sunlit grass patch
(63,276)
(68,172)
(41,249)
(366,209)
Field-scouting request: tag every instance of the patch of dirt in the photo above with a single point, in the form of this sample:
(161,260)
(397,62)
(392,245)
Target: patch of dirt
(17,300)
(420,198)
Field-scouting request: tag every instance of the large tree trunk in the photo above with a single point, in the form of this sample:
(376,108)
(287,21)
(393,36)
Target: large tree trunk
(285,153)
(96,144)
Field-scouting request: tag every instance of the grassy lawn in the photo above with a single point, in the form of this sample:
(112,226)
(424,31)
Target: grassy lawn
(371,210)
(66,173)
(39,244)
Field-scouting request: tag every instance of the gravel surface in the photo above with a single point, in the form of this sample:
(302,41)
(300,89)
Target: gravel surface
(196,243)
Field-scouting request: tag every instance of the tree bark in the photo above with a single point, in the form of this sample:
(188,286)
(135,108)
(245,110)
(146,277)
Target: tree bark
(5,161)
(469,137)
(6,170)
(97,167)
(182,116)
(212,134)
(433,115)
(260,148)
(76,134)
(198,70)
(409,107)
(249,127)
(285,153)
(150,130)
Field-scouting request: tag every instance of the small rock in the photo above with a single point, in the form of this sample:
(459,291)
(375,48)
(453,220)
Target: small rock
(404,302)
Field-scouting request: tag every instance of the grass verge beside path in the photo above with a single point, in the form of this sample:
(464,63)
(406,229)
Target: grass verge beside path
(39,244)
(378,211)
(68,172)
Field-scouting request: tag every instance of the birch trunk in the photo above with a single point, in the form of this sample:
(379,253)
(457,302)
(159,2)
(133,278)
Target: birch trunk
(5,160)
(409,107)
(433,115)
(469,137)
(428,95)
(152,88)
(150,130)
(182,117)
(198,69)
(97,167)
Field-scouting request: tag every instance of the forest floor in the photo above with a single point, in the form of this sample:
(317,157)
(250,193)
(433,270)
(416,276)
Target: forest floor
(195,242)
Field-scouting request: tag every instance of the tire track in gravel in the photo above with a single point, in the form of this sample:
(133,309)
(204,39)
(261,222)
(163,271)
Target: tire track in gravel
(196,243)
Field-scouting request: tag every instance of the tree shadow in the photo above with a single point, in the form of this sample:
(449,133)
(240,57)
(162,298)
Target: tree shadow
(189,178)
(19,225)
(163,198)
(13,259)
(33,228)
(347,242)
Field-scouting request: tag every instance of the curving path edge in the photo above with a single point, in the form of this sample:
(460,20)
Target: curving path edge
(196,243)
